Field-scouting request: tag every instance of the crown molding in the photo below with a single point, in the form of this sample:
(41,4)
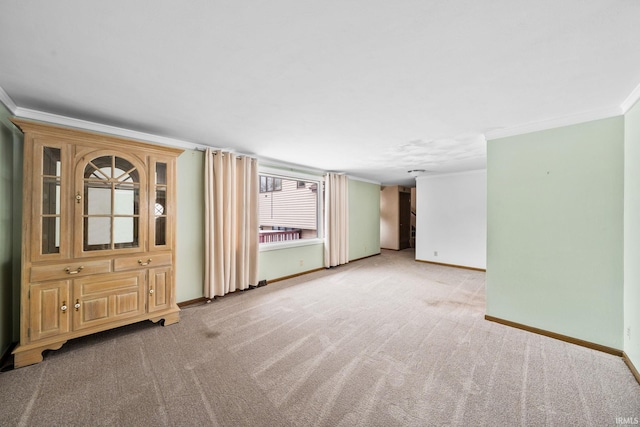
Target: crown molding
(56,119)
(7,101)
(573,119)
(631,100)
(288,172)
(269,162)
(431,175)
(369,181)
(277,167)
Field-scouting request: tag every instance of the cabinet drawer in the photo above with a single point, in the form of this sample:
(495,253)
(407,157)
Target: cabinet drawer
(71,269)
(142,261)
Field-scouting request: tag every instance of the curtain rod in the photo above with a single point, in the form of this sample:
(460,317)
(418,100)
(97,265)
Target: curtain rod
(267,162)
(217,151)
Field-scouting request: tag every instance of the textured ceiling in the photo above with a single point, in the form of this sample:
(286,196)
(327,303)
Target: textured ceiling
(368,87)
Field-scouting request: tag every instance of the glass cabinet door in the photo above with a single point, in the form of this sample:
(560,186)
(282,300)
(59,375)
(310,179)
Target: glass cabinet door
(110,197)
(51,174)
(161,206)
(50,231)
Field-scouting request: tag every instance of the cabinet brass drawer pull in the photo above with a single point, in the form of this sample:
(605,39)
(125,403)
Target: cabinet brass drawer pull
(144,263)
(78,270)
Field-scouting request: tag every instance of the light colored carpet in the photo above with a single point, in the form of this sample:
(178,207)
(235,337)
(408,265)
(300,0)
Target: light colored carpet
(384,341)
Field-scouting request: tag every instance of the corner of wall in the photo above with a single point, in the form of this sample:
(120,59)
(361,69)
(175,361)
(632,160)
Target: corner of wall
(631,292)
(10,228)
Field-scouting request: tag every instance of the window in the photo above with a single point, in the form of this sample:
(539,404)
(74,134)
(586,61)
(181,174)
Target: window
(270,183)
(289,208)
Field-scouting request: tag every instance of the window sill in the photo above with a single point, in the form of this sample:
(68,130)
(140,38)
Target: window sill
(289,244)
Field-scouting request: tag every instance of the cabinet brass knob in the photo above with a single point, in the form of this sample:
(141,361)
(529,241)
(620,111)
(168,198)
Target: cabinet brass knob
(64,307)
(76,271)
(78,197)
(144,263)
(77,306)
(151,291)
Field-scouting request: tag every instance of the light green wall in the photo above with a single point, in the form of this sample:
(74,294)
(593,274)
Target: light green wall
(190,227)
(555,230)
(364,237)
(364,223)
(364,219)
(10,226)
(278,263)
(631,331)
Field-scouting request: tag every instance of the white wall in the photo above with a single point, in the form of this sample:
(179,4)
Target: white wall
(451,219)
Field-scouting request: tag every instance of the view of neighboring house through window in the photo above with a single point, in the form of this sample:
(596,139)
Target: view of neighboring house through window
(288,209)
(270,183)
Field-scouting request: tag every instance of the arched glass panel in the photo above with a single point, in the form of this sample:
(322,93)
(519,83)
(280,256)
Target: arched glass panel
(111,204)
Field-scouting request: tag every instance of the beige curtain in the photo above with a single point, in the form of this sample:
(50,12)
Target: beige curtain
(336,248)
(231,223)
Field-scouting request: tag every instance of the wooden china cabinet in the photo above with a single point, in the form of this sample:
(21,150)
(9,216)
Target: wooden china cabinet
(98,248)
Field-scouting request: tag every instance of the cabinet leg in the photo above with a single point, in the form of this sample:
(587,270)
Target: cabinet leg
(168,319)
(32,356)
(171,319)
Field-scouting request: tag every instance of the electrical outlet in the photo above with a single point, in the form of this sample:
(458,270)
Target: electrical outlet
(629,333)
(435,253)
(301,262)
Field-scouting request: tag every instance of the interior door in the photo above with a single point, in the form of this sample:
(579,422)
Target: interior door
(404,234)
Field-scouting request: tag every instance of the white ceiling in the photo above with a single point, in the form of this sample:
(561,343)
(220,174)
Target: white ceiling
(368,87)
